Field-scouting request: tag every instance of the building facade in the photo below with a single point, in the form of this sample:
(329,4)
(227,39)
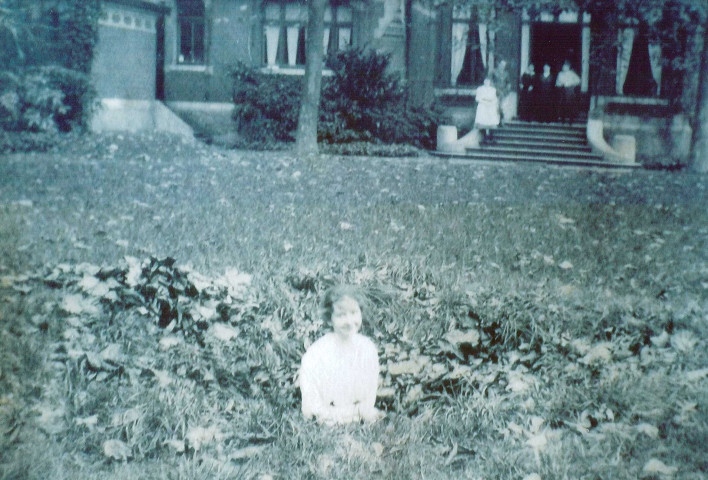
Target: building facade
(442,53)
(438,50)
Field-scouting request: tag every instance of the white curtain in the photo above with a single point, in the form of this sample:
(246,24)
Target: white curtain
(272,33)
(623,56)
(325,40)
(655,58)
(459,45)
(293,35)
(483,43)
(345,38)
(489,50)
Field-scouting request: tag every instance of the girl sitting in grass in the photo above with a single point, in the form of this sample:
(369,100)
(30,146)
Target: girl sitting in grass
(339,373)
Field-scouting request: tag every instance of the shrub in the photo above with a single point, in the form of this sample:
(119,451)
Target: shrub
(266,106)
(360,102)
(45,99)
(11,142)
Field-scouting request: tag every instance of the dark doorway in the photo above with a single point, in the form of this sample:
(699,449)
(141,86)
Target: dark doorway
(553,43)
(160,61)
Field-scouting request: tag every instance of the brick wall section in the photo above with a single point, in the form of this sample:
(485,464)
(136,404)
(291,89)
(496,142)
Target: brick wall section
(124,62)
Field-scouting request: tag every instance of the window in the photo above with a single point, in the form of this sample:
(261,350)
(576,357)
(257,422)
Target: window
(468,62)
(285,30)
(192,32)
(639,63)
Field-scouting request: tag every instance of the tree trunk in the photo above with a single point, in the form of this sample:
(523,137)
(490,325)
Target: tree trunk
(699,143)
(306,136)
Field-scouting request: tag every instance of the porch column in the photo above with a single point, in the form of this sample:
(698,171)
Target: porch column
(585,69)
(525,43)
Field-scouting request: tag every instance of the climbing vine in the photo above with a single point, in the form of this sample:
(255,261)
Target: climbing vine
(61,32)
(46,52)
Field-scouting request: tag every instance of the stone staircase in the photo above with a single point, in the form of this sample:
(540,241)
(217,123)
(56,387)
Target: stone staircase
(555,143)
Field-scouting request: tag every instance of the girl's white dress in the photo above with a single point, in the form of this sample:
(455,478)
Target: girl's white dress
(487,115)
(338,383)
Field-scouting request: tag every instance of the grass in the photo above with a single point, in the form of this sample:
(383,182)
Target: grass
(548,285)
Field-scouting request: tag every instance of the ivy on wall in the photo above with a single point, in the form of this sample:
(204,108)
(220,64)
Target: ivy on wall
(46,52)
(51,32)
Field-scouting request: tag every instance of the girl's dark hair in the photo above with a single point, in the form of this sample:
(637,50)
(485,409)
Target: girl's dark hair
(337,292)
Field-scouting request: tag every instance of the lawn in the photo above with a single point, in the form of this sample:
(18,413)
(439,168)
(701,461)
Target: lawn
(531,321)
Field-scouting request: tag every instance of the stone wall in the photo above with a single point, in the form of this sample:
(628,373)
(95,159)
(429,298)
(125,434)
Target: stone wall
(662,139)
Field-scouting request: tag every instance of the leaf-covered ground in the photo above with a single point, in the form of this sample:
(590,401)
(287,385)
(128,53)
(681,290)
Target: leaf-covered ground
(532,321)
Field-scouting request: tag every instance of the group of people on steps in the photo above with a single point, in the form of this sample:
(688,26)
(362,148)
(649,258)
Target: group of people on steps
(543,97)
(549,98)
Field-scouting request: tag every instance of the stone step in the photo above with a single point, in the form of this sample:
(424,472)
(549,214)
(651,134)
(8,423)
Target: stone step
(535,152)
(550,159)
(528,129)
(501,134)
(542,144)
(578,124)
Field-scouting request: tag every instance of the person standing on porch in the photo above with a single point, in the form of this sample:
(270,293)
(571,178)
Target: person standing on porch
(546,98)
(486,119)
(527,93)
(567,82)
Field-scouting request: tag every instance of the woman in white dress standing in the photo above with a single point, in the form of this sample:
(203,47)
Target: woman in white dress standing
(487,117)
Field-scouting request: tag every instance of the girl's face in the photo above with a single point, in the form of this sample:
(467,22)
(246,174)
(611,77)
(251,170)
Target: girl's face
(346,317)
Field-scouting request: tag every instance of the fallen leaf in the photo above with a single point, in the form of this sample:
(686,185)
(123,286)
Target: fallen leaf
(131,415)
(135,270)
(660,341)
(377,448)
(412,367)
(51,418)
(247,452)
(648,430)
(116,449)
(385,392)
(535,423)
(236,282)
(203,312)
(684,341)
(169,341)
(598,354)
(515,428)
(414,394)
(460,371)
(565,265)
(695,375)
(77,305)
(533,476)
(346,226)
(223,332)
(198,436)
(163,377)
(654,466)
(519,382)
(538,441)
(92,285)
(87,421)
(94,361)
(175,445)
(457,337)
(112,353)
